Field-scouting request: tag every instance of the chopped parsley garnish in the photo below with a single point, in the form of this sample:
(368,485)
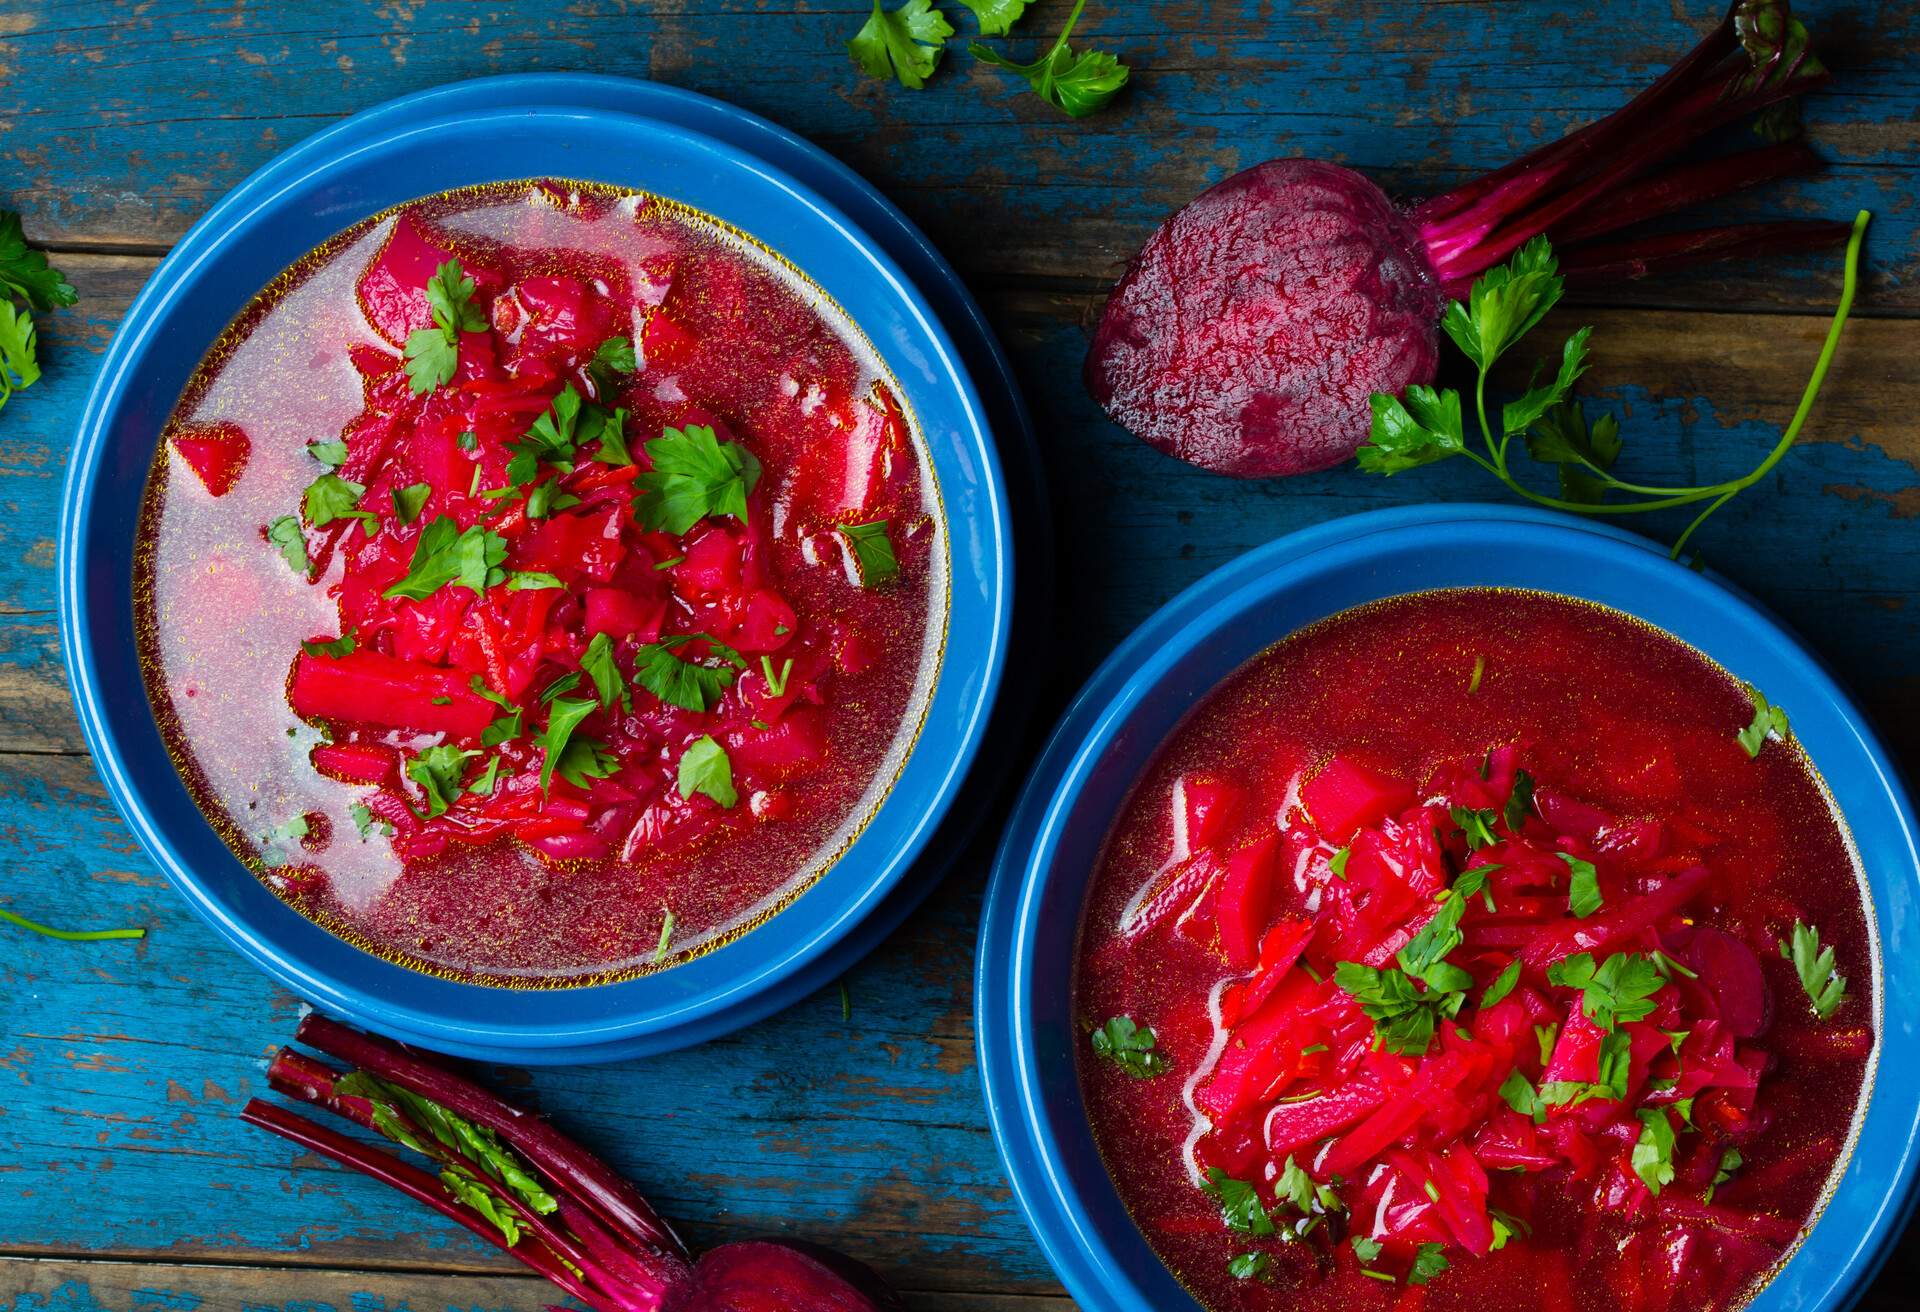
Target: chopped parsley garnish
(1583,891)
(776,685)
(367,822)
(1653,1152)
(687,684)
(666,934)
(409,501)
(1769,721)
(1825,987)
(24,271)
(1519,801)
(1547,1036)
(531,580)
(1338,863)
(335,649)
(549,440)
(285,535)
(1240,1205)
(555,741)
(1249,1266)
(1404,1017)
(1619,989)
(612,357)
(1428,1262)
(903,43)
(600,666)
(1129,1046)
(332,453)
(1502,984)
(433,353)
(1477,825)
(438,771)
(1730,1161)
(694,475)
(444,554)
(330,497)
(1668,967)
(564,684)
(1366,1249)
(705,769)
(872,552)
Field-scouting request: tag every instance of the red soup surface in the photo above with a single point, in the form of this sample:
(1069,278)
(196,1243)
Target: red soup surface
(541,583)
(1437,962)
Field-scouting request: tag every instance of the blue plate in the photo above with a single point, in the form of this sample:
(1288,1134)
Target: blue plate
(1023,1004)
(599,129)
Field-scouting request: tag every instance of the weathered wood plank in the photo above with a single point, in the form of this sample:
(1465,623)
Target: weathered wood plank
(56,1285)
(170,102)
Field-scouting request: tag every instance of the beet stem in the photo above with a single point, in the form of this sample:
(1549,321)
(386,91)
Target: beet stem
(415,1184)
(1615,261)
(1687,185)
(609,1196)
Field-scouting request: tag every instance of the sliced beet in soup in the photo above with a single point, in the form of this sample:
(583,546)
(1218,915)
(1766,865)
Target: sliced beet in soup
(1477,949)
(541,583)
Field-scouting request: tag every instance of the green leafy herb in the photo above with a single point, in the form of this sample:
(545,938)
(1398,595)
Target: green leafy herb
(1502,984)
(704,768)
(1428,1261)
(690,685)
(563,717)
(409,501)
(549,440)
(1404,1016)
(331,453)
(1583,891)
(367,823)
(1547,1036)
(997,17)
(285,535)
(1730,1161)
(335,649)
(433,354)
(694,475)
(872,552)
(1338,862)
(438,771)
(603,669)
(69,935)
(1249,1266)
(1653,1152)
(1505,1226)
(1479,671)
(1504,305)
(1620,989)
(1520,1094)
(1129,1046)
(24,271)
(1240,1205)
(531,580)
(1669,968)
(666,937)
(582,760)
(564,684)
(611,358)
(1079,84)
(444,553)
(1519,801)
(1769,721)
(330,497)
(609,432)
(776,685)
(1825,987)
(1476,825)
(1366,1249)
(903,43)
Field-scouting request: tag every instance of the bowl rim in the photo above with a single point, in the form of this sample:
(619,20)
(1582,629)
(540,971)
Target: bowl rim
(645,1015)
(1828,1269)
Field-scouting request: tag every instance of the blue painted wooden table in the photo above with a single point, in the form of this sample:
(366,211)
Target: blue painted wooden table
(125,1179)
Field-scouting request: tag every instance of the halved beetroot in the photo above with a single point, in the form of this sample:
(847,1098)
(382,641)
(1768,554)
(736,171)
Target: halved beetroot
(216,453)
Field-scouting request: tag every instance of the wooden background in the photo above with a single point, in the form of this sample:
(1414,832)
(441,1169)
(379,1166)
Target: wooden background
(126,1182)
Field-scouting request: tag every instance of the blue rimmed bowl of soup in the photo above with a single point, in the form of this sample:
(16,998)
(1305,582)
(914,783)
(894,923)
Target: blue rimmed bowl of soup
(565,595)
(1456,908)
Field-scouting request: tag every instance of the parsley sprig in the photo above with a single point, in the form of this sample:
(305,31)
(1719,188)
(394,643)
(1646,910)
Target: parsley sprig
(1129,1046)
(25,276)
(906,45)
(1506,303)
(1404,1015)
(1825,986)
(434,353)
(1077,84)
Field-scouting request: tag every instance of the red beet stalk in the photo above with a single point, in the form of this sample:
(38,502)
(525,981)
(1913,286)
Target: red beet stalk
(1250,331)
(517,1182)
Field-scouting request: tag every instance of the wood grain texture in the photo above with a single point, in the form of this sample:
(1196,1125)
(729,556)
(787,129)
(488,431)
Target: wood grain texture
(122,1065)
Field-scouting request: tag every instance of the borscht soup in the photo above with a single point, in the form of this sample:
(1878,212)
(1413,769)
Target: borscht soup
(1477,949)
(541,583)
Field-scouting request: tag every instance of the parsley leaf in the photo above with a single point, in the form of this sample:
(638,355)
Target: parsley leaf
(408,502)
(563,717)
(438,771)
(549,440)
(285,535)
(1620,989)
(607,428)
(689,685)
(1476,825)
(1428,1262)
(1406,433)
(1337,863)
(1366,1249)
(531,580)
(1249,1266)
(1768,721)
(445,554)
(330,497)
(599,663)
(1404,1017)
(338,647)
(19,365)
(694,475)
(997,17)
(332,453)
(24,272)
(1583,892)
(704,768)
(367,822)
(1129,1046)
(1520,1094)
(612,357)
(872,552)
(1653,1152)
(1825,987)
(1730,1161)
(1240,1205)
(1519,415)
(1502,984)
(1506,302)
(1077,84)
(1561,437)
(1519,801)
(432,354)
(903,43)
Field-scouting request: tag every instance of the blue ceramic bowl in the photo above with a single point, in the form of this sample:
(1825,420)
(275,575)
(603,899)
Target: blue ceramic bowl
(1027,1032)
(595,129)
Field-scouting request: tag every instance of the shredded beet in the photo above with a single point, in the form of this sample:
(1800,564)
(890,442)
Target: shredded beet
(1250,330)
(511,1178)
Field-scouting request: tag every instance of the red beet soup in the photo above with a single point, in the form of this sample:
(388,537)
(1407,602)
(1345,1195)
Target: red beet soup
(541,583)
(1477,949)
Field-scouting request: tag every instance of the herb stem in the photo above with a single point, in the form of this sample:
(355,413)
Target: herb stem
(70,935)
